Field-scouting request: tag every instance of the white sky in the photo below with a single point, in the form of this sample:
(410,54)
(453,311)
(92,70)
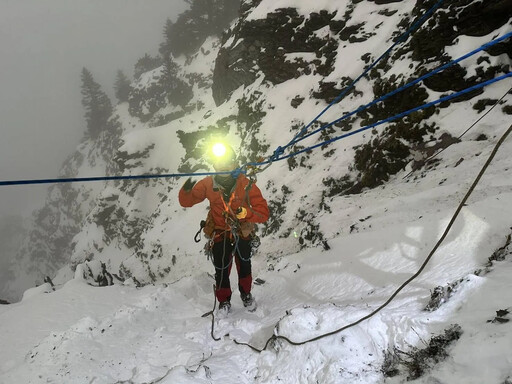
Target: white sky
(43,46)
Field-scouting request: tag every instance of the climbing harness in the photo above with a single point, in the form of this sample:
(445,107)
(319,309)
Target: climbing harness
(255,242)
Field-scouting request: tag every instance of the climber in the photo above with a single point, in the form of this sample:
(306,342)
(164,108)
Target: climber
(236,204)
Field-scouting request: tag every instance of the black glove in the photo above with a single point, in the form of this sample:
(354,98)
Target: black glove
(189,184)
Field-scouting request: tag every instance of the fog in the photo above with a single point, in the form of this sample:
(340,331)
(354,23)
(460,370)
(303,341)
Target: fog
(44,44)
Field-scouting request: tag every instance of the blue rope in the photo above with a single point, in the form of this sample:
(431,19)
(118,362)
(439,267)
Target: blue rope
(110,178)
(398,116)
(255,164)
(410,84)
(280,150)
(402,38)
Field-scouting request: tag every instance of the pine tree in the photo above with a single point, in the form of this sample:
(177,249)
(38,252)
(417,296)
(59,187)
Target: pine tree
(169,71)
(122,87)
(145,64)
(165,47)
(98,108)
(178,92)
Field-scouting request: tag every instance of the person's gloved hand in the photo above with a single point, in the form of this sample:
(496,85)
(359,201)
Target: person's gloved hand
(241,213)
(189,184)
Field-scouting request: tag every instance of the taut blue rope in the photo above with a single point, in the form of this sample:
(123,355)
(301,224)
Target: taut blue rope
(402,38)
(398,116)
(240,170)
(110,178)
(410,84)
(277,155)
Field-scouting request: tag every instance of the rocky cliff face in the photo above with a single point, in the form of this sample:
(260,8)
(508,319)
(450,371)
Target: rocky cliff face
(286,45)
(283,46)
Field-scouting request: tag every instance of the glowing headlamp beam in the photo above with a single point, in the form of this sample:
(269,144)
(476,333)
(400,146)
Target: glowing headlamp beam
(219,149)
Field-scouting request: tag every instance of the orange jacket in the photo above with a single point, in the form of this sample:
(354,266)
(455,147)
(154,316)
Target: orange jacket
(257,208)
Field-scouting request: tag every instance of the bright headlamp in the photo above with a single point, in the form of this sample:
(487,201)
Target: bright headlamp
(219,150)
(221,155)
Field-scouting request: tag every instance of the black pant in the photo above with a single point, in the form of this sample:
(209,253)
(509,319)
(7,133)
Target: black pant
(222,258)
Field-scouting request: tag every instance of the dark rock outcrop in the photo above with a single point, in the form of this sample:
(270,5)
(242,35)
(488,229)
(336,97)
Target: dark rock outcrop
(262,45)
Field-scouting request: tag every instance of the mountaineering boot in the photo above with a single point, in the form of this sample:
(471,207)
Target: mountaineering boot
(224,309)
(248,301)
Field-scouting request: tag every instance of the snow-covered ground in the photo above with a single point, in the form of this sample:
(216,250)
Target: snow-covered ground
(85,334)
